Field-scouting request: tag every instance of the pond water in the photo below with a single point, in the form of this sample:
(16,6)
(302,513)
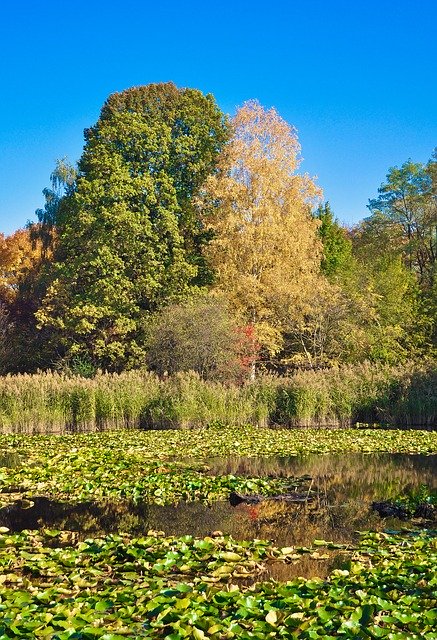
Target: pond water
(343,488)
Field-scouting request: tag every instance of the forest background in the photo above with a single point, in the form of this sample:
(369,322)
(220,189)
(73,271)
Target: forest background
(187,240)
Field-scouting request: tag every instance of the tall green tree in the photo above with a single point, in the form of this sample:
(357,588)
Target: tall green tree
(337,247)
(406,210)
(129,233)
(403,226)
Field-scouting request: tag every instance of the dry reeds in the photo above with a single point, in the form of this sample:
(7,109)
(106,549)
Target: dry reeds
(53,402)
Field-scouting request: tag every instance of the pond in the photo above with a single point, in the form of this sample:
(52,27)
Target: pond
(103,542)
(342,489)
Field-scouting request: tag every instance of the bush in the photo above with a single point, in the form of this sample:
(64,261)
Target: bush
(200,336)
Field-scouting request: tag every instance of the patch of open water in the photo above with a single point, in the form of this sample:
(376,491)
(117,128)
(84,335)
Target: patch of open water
(343,489)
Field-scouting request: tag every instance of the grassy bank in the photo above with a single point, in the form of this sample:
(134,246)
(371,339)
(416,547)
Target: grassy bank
(51,402)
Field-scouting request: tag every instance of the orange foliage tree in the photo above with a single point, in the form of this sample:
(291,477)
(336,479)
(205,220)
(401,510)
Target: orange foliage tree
(18,255)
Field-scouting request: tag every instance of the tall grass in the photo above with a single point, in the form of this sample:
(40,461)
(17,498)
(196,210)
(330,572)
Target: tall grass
(403,396)
(187,401)
(52,402)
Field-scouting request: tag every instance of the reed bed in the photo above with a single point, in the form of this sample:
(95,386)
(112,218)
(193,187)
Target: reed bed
(56,403)
(402,396)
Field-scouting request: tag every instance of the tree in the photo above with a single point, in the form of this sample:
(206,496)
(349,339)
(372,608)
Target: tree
(337,247)
(62,181)
(368,309)
(371,312)
(18,256)
(265,251)
(6,347)
(196,131)
(406,208)
(20,268)
(402,231)
(324,330)
(392,291)
(202,336)
(129,240)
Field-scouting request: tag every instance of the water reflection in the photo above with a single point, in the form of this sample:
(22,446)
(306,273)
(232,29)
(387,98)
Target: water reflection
(307,566)
(344,487)
(375,469)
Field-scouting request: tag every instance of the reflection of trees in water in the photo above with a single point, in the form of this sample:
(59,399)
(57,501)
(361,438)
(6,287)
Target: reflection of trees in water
(297,524)
(354,470)
(85,518)
(343,488)
(291,525)
(284,524)
(307,566)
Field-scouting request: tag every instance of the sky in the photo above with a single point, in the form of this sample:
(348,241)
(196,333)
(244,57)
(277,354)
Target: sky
(357,79)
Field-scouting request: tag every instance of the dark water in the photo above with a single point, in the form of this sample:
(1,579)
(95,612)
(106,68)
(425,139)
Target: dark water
(343,489)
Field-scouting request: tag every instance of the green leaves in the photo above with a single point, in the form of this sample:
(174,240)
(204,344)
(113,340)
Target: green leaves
(99,473)
(158,586)
(132,465)
(75,592)
(129,233)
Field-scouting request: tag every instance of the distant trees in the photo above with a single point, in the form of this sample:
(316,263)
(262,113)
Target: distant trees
(185,240)
(406,210)
(62,181)
(402,232)
(368,308)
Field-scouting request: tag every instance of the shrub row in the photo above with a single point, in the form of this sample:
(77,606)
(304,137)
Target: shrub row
(51,402)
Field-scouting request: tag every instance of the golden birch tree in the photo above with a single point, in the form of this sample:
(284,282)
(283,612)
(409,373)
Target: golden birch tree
(265,250)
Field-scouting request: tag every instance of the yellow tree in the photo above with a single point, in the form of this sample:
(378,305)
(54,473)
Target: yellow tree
(18,255)
(265,250)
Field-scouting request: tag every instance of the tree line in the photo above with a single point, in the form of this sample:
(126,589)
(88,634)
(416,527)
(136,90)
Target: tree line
(185,239)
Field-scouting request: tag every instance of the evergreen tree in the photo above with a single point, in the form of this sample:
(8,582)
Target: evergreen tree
(337,248)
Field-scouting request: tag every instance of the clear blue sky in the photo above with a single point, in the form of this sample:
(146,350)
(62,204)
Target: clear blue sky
(356,77)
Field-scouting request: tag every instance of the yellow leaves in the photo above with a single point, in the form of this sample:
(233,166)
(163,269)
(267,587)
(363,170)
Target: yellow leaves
(269,337)
(272,617)
(265,250)
(18,255)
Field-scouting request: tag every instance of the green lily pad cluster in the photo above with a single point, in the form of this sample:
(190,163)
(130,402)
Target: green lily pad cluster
(161,587)
(218,441)
(98,475)
(172,588)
